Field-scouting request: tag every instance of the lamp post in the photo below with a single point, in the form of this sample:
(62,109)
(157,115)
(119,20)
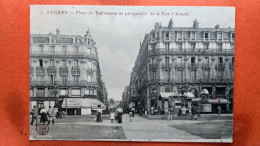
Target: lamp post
(182,89)
(55,92)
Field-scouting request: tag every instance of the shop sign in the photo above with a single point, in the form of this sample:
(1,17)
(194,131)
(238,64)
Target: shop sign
(206,108)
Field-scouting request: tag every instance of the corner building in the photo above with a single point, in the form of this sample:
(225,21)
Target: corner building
(65,73)
(172,57)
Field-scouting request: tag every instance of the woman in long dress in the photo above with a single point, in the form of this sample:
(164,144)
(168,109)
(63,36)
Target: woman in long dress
(120,113)
(99,112)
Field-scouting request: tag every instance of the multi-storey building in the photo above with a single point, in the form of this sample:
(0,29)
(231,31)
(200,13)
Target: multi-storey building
(65,73)
(173,57)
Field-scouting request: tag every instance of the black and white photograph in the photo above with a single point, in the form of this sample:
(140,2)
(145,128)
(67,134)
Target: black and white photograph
(132,73)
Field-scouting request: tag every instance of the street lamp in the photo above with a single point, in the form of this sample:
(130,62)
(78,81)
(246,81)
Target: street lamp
(55,92)
(182,89)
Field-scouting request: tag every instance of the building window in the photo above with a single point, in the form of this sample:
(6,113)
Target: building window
(193,76)
(179,46)
(64,79)
(64,63)
(167,61)
(193,47)
(91,92)
(233,35)
(51,62)
(76,63)
(167,89)
(206,75)
(206,35)
(192,60)
(153,75)
(220,59)
(64,49)
(232,60)
(76,78)
(220,74)
(52,49)
(40,63)
(76,48)
(52,79)
(206,59)
(153,60)
(41,48)
(89,78)
(167,47)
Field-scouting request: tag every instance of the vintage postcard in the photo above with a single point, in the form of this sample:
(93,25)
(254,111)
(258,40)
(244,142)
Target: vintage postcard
(131,73)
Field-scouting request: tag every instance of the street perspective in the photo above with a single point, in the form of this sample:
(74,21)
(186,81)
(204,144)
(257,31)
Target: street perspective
(132,73)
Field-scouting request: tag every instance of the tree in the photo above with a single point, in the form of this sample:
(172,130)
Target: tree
(111,101)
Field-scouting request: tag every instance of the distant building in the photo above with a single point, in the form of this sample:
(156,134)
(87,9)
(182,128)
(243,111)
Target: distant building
(65,73)
(171,58)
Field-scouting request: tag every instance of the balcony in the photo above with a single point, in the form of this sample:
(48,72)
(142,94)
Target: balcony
(179,66)
(64,70)
(220,66)
(39,70)
(60,83)
(63,53)
(216,80)
(153,67)
(193,66)
(188,51)
(166,66)
(75,70)
(206,66)
(51,70)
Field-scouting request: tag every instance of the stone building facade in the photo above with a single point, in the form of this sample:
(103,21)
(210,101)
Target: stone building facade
(172,57)
(64,67)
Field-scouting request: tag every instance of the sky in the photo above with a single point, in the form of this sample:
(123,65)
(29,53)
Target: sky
(118,36)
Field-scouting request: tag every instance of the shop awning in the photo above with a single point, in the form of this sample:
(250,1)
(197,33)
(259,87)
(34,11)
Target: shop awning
(167,95)
(196,99)
(72,103)
(219,101)
(204,92)
(82,103)
(189,95)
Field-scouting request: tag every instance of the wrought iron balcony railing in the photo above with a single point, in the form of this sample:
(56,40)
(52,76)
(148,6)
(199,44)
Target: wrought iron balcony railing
(206,66)
(64,70)
(179,66)
(39,70)
(166,66)
(60,83)
(220,66)
(163,51)
(63,53)
(153,66)
(193,66)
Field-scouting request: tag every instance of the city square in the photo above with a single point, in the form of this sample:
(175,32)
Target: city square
(207,127)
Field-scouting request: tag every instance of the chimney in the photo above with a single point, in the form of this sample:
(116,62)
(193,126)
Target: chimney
(195,24)
(57,31)
(170,24)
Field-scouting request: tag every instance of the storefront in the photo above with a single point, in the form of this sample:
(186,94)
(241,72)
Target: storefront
(219,102)
(81,106)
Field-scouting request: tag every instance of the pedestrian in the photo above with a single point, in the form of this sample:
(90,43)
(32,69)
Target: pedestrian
(116,114)
(44,117)
(34,115)
(130,115)
(192,112)
(152,110)
(51,115)
(187,112)
(99,112)
(120,113)
(133,111)
(170,113)
(219,110)
(112,116)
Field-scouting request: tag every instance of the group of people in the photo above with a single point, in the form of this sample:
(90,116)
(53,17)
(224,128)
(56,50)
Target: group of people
(45,115)
(116,115)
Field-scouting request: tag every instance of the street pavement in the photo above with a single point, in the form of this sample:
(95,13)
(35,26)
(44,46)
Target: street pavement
(139,129)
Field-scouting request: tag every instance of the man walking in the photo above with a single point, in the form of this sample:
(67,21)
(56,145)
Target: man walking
(34,115)
(219,110)
(51,115)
